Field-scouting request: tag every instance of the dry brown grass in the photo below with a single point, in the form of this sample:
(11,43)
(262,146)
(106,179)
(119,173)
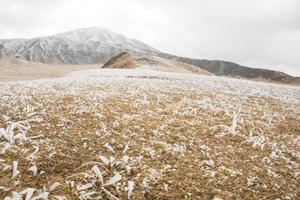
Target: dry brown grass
(132,61)
(175,128)
(17,70)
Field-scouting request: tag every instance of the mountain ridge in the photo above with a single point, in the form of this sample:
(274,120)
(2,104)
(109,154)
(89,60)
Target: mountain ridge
(80,46)
(97,45)
(231,69)
(127,60)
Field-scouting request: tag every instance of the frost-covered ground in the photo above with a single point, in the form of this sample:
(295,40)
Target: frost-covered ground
(142,134)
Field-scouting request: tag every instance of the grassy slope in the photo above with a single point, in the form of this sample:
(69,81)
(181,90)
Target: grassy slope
(179,130)
(18,70)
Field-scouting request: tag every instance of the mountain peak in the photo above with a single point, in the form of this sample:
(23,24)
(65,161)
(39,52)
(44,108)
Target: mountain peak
(92,29)
(80,46)
(90,33)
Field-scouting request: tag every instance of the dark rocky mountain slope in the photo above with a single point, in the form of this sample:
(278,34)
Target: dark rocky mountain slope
(225,68)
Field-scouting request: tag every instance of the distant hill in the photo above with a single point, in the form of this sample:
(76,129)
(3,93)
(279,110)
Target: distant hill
(12,69)
(127,60)
(230,69)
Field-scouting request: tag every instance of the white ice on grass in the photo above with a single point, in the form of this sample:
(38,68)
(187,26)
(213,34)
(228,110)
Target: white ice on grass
(86,195)
(125,159)
(113,180)
(108,148)
(33,169)
(43,195)
(217,198)
(258,140)
(3,189)
(32,156)
(54,186)
(5,147)
(130,185)
(232,172)
(251,181)
(15,171)
(166,187)
(234,122)
(205,83)
(126,148)
(28,192)
(173,148)
(15,132)
(15,196)
(155,176)
(84,187)
(104,160)
(272,173)
(60,198)
(145,87)
(98,173)
(209,163)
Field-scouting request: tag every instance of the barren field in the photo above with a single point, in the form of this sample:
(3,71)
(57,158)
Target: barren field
(143,134)
(18,70)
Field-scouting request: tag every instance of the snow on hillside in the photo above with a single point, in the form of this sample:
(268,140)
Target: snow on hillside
(106,37)
(81,46)
(143,134)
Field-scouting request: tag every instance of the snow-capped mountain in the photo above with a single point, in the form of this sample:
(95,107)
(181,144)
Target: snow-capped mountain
(81,46)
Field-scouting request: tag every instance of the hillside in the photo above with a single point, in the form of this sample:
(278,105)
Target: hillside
(82,46)
(12,69)
(141,61)
(230,69)
(148,134)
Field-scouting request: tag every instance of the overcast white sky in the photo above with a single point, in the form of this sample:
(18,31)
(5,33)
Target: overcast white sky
(256,33)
